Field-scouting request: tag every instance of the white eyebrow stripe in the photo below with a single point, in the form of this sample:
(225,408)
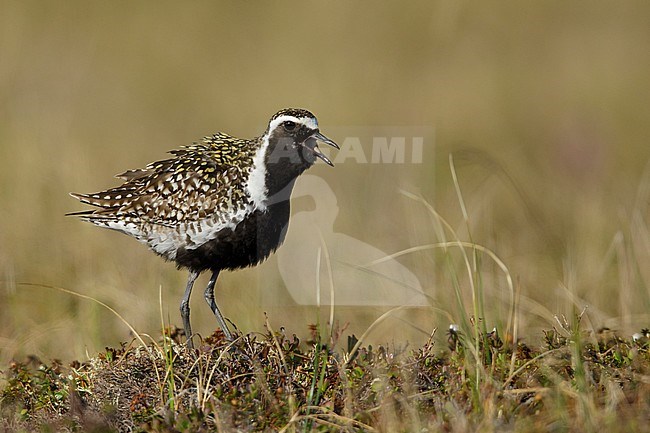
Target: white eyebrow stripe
(309,122)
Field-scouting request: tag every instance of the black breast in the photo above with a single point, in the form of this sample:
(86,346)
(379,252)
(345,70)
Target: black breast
(250,242)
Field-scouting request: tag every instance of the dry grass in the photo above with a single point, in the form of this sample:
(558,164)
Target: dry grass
(274,382)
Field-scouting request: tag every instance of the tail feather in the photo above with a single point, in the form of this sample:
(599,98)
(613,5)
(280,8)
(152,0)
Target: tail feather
(81,213)
(113,198)
(133,174)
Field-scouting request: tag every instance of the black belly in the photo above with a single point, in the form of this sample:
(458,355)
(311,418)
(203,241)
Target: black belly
(250,242)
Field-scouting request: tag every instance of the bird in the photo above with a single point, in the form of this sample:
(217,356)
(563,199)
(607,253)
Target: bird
(221,203)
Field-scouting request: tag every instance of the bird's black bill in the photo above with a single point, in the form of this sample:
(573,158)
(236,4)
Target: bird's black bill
(320,137)
(317,152)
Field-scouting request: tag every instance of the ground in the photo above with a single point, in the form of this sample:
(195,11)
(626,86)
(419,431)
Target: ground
(574,381)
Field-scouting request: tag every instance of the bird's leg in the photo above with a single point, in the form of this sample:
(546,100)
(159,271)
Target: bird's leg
(185,308)
(209,298)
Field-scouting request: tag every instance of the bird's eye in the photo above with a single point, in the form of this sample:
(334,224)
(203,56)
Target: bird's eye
(289,125)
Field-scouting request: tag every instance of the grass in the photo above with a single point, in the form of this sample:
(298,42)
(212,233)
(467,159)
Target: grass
(274,382)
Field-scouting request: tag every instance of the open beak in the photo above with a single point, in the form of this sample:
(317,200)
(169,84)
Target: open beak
(317,152)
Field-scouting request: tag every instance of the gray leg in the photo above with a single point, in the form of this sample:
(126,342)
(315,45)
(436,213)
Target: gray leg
(209,298)
(185,308)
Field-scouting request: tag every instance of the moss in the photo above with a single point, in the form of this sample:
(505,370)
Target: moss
(273,381)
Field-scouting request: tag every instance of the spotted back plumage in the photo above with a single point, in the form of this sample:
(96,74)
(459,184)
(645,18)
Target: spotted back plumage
(183,200)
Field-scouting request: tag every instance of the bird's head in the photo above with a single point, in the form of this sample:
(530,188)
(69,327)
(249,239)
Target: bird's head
(293,137)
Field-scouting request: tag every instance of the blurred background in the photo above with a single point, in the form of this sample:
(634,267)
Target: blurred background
(542,106)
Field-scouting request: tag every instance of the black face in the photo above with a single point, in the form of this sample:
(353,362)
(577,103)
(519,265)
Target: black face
(290,143)
(292,137)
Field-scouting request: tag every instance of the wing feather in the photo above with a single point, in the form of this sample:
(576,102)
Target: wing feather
(198,181)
